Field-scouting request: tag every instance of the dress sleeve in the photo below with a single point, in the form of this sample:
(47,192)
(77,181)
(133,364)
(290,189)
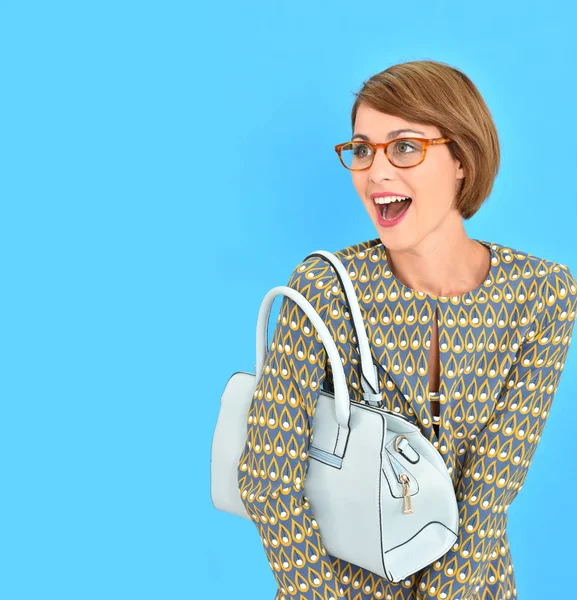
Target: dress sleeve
(273,465)
(498,459)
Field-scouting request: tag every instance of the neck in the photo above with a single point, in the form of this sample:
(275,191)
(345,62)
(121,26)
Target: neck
(441,265)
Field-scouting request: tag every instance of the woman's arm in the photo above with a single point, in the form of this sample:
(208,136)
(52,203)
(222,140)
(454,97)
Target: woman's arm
(498,458)
(273,466)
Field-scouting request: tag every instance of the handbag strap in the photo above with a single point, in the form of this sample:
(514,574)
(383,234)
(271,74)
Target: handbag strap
(369,373)
(342,401)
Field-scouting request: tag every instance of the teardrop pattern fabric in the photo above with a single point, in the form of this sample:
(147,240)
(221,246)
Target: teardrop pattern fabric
(502,350)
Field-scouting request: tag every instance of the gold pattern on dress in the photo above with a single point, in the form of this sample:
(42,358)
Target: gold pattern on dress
(502,349)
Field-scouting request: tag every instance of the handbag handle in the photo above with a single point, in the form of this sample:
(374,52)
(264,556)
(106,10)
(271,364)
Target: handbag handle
(369,373)
(342,402)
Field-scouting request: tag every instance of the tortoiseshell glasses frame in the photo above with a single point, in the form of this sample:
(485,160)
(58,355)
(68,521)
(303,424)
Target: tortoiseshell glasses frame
(426,142)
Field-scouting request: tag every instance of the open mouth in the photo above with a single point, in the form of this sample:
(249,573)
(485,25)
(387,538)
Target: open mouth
(395,209)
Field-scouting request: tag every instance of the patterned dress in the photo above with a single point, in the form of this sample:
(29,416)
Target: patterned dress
(502,349)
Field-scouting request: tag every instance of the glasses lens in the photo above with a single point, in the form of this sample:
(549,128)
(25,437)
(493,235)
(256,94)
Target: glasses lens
(401,153)
(405,153)
(356,155)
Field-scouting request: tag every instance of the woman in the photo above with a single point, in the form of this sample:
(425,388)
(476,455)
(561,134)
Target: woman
(471,338)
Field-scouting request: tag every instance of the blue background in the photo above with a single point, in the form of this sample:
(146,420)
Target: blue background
(164,164)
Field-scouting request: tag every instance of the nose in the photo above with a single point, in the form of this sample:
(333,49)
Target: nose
(381,167)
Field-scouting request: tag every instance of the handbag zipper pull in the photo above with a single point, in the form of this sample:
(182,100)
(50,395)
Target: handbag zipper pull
(407,504)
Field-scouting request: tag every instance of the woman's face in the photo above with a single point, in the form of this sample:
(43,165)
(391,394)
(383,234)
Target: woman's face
(432,185)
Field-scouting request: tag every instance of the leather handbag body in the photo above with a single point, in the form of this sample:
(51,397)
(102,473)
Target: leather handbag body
(379,490)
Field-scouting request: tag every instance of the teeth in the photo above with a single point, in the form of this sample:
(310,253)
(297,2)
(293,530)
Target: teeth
(389,199)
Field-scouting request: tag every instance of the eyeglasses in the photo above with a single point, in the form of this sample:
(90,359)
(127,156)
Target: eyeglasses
(402,152)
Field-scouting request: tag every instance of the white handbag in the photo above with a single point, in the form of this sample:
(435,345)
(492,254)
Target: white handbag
(379,490)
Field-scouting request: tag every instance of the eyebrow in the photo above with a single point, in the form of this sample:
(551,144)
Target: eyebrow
(392,134)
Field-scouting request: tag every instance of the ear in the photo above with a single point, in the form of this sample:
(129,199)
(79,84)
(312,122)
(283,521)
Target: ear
(460,172)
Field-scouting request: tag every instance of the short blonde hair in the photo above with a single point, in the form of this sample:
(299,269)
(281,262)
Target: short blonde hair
(434,93)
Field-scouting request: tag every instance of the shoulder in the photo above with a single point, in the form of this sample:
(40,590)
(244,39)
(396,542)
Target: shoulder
(554,281)
(524,263)
(315,278)
(559,294)
(359,252)
(557,280)
(527,267)
(315,268)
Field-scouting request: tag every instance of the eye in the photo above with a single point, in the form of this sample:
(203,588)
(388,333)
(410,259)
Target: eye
(361,150)
(405,147)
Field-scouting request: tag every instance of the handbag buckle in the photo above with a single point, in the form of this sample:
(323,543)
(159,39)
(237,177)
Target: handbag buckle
(407,503)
